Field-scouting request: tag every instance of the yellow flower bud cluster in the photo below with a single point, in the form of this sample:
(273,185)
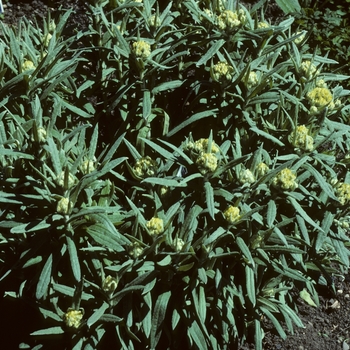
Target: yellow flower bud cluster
(178,244)
(246,177)
(285,180)
(262,25)
(252,80)
(155,226)
(71,180)
(87,167)
(343,193)
(135,250)
(207,162)
(309,70)
(261,169)
(27,65)
(72,318)
(320,98)
(46,39)
(300,38)
(110,284)
(301,139)
(205,158)
(232,214)
(222,72)
(343,222)
(141,49)
(63,206)
(202,145)
(229,20)
(145,166)
(154,21)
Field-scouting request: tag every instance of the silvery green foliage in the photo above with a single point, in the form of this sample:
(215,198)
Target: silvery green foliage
(169,175)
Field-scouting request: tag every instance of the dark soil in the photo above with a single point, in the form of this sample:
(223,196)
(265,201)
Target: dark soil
(326,327)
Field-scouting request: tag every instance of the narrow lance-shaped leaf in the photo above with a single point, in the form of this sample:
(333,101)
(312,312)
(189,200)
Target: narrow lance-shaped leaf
(159,312)
(73,255)
(44,279)
(209,196)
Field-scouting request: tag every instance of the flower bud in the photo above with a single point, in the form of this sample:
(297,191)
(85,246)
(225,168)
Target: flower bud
(246,177)
(110,284)
(207,162)
(232,214)
(73,318)
(285,180)
(63,206)
(155,226)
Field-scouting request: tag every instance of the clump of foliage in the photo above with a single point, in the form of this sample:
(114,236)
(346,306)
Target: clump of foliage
(170,176)
(327,23)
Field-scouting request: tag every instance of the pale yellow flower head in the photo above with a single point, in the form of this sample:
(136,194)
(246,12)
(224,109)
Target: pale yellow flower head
(252,80)
(207,162)
(141,49)
(246,177)
(232,214)
(262,25)
(301,139)
(46,39)
(27,65)
(178,244)
(222,72)
(87,167)
(71,180)
(261,169)
(63,206)
(299,39)
(343,193)
(155,226)
(145,166)
(229,20)
(308,69)
(285,180)
(72,318)
(202,145)
(154,21)
(320,98)
(135,250)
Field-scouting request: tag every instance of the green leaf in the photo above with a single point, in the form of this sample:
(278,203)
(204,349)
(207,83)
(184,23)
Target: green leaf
(211,52)
(168,85)
(209,196)
(105,237)
(93,143)
(55,157)
(194,118)
(258,336)
(305,295)
(289,6)
(275,322)
(271,213)
(44,279)
(166,154)
(250,284)
(73,256)
(324,185)
(146,104)
(245,250)
(158,317)
(49,331)
(96,316)
(196,334)
(303,213)
(214,236)
(266,135)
